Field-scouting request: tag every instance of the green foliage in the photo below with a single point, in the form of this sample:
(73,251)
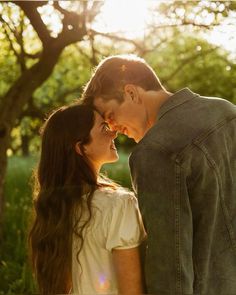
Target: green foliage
(195,63)
(14,26)
(15,271)
(9,69)
(65,84)
(196,12)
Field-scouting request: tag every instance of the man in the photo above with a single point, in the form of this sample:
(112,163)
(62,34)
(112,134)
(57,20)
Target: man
(183,171)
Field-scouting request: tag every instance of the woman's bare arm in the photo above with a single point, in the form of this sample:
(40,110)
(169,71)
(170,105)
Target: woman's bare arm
(128,271)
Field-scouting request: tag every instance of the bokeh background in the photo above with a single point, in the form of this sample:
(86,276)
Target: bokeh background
(47,52)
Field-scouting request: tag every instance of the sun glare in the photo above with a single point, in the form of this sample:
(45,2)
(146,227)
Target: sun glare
(224,35)
(123,16)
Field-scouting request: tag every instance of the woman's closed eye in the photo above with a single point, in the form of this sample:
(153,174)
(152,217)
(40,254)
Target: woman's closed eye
(105,126)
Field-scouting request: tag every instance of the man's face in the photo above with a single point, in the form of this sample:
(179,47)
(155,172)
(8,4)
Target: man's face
(126,117)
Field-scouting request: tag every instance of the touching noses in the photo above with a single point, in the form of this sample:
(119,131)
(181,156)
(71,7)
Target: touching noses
(113,133)
(111,122)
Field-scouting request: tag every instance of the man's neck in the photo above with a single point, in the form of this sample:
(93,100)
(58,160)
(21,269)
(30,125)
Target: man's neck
(154,100)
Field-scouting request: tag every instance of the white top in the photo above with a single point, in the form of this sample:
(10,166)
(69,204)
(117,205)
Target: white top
(116,224)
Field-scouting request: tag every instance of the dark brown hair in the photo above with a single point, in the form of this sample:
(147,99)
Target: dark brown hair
(62,177)
(114,72)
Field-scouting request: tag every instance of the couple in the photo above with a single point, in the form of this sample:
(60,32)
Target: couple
(87,230)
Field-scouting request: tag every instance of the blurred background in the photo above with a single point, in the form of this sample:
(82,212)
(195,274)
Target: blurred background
(47,52)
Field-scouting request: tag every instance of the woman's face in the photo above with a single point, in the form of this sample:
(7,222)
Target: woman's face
(101,148)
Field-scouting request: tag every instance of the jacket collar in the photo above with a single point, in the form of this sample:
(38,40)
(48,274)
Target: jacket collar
(175,100)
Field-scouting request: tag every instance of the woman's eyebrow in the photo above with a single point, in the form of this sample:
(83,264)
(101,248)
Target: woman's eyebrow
(102,114)
(103,123)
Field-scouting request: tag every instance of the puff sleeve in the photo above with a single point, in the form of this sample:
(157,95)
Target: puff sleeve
(124,224)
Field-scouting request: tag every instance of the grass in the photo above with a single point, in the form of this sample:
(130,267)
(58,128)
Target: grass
(15,272)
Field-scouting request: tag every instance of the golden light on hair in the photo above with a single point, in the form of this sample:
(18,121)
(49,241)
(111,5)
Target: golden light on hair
(123,68)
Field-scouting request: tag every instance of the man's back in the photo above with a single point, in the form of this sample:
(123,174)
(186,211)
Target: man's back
(184,172)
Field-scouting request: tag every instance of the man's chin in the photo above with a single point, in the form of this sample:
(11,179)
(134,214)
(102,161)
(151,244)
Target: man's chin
(135,138)
(132,136)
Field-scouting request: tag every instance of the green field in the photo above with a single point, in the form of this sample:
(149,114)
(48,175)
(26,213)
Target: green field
(15,273)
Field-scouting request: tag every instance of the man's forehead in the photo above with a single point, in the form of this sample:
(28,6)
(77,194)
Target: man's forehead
(101,106)
(98,101)
(99,118)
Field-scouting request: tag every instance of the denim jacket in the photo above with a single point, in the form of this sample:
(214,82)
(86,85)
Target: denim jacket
(184,174)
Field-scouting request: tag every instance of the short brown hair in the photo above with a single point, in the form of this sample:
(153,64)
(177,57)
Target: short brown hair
(114,72)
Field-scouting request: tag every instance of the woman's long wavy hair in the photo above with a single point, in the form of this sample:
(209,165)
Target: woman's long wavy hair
(62,177)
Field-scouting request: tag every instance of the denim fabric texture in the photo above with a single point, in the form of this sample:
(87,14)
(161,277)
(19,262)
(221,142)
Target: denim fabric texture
(184,174)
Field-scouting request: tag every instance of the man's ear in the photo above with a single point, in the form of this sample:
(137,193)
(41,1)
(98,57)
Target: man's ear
(132,92)
(78,148)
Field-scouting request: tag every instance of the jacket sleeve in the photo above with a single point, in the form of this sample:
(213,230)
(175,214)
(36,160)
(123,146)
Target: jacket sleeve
(159,183)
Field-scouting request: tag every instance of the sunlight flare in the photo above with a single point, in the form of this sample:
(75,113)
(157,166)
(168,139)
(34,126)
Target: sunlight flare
(129,17)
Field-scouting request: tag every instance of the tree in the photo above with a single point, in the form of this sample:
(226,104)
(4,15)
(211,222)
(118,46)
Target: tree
(34,73)
(204,68)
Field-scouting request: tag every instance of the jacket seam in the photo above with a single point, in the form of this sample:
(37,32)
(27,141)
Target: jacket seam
(177,227)
(222,201)
(220,124)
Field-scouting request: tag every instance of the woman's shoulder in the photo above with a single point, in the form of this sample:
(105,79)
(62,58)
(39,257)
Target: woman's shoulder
(115,193)
(110,196)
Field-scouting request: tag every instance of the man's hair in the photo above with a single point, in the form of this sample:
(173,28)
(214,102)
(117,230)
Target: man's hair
(114,72)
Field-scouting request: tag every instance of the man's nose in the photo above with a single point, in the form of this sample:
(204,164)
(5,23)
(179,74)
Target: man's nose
(112,126)
(113,134)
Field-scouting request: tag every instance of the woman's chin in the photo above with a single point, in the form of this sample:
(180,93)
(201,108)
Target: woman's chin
(113,158)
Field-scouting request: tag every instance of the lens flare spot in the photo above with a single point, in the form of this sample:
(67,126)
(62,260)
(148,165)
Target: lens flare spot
(102,284)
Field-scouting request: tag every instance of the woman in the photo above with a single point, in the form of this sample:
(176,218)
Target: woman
(86,230)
